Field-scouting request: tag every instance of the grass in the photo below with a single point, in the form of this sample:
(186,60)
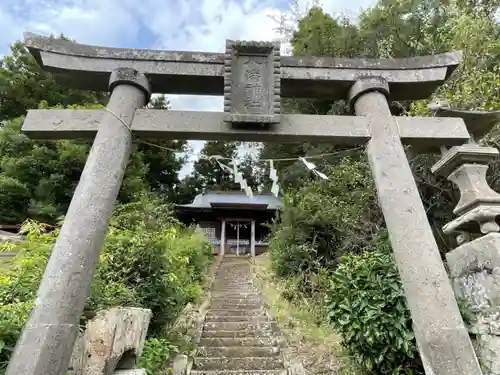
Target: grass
(308,336)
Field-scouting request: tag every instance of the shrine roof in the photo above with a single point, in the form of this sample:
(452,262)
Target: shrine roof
(230,199)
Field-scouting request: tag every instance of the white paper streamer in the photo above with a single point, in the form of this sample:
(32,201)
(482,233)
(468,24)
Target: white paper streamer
(273,175)
(312,167)
(238,177)
(275,189)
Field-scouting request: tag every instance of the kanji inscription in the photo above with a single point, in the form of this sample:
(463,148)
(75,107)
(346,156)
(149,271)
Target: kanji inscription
(254,90)
(251,82)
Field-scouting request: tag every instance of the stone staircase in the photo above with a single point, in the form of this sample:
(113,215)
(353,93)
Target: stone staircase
(237,337)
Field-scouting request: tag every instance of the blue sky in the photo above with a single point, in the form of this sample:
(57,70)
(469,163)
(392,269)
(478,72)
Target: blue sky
(198,25)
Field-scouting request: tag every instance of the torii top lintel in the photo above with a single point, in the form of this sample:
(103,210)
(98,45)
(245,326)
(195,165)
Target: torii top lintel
(196,73)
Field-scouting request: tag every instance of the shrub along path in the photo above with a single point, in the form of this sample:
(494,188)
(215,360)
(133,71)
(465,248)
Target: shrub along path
(309,338)
(237,336)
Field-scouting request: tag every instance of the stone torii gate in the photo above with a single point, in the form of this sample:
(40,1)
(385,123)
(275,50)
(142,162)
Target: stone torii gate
(253,78)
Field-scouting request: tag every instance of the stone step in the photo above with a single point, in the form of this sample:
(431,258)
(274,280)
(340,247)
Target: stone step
(238,363)
(240,372)
(232,306)
(235,294)
(237,341)
(237,351)
(236,301)
(235,291)
(236,326)
(225,284)
(236,318)
(237,278)
(236,312)
(235,334)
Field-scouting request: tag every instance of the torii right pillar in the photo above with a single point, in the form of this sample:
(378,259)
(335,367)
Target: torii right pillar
(443,341)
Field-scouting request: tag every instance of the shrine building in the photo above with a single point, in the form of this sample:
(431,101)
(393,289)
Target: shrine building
(233,222)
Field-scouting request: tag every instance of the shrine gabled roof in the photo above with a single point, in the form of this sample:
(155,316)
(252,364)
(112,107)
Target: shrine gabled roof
(227,199)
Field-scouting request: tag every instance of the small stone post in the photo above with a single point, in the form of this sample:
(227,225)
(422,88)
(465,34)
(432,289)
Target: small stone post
(444,343)
(475,265)
(47,340)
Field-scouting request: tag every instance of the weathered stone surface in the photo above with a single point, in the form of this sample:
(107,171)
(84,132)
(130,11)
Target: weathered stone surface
(240,372)
(439,329)
(173,72)
(237,351)
(10,237)
(478,123)
(238,341)
(481,219)
(237,326)
(149,123)
(425,133)
(235,312)
(474,190)
(233,334)
(475,271)
(458,155)
(77,357)
(236,294)
(113,340)
(479,205)
(480,254)
(180,365)
(235,306)
(296,369)
(236,318)
(243,363)
(252,82)
(137,371)
(236,337)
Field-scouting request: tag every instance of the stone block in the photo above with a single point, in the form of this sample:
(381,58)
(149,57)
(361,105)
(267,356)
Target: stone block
(180,365)
(113,340)
(475,271)
(252,82)
(137,371)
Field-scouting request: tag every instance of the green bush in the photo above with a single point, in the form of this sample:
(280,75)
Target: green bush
(155,354)
(15,198)
(323,220)
(148,260)
(12,318)
(150,252)
(367,306)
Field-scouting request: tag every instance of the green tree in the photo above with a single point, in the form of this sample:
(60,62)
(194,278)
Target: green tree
(163,163)
(207,173)
(23,85)
(49,172)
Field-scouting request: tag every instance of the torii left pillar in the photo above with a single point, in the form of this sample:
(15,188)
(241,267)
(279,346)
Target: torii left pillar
(47,340)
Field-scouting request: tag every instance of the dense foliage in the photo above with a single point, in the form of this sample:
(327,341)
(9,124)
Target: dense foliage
(323,220)
(366,303)
(149,260)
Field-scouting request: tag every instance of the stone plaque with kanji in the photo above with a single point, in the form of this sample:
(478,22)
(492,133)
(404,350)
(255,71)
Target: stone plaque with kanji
(252,82)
